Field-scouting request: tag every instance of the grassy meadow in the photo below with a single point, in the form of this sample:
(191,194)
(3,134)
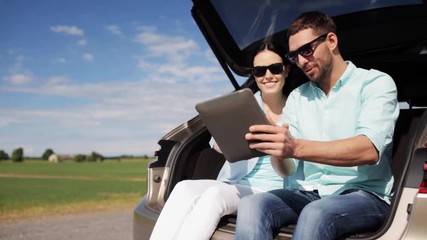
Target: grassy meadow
(34,188)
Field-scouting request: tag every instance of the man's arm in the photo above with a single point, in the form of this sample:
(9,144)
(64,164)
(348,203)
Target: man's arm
(278,142)
(284,167)
(354,151)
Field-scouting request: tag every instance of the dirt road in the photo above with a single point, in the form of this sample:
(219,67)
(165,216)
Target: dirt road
(106,225)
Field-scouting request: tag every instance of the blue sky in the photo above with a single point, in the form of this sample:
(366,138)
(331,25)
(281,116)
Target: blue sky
(111,76)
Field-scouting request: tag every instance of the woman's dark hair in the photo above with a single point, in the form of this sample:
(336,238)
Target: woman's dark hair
(279,50)
(273,47)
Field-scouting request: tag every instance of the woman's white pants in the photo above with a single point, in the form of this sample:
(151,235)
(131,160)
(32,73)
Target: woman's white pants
(195,207)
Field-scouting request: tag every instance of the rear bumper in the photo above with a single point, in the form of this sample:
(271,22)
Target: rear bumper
(143,221)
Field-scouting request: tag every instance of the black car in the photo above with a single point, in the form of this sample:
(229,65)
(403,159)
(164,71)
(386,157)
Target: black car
(390,36)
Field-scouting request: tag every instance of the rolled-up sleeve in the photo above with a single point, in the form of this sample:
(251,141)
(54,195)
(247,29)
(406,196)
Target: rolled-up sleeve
(379,110)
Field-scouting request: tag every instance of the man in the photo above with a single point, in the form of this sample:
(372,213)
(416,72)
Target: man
(340,127)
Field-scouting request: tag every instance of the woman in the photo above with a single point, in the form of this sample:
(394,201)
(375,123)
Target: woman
(195,207)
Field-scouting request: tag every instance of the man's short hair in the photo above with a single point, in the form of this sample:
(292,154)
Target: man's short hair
(319,22)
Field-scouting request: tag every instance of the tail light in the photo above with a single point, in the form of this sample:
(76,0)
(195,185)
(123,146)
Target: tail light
(423,185)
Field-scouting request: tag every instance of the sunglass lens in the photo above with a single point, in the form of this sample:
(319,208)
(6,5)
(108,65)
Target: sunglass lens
(259,71)
(276,68)
(292,57)
(307,51)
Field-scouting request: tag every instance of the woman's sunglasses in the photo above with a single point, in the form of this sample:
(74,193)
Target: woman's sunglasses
(275,68)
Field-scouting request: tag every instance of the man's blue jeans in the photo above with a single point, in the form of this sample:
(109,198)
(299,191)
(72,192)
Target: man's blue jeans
(260,216)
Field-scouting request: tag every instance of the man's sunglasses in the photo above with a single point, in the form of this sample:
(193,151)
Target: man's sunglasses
(305,50)
(275,68)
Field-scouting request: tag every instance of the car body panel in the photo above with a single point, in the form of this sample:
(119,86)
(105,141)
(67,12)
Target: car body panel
(417,223)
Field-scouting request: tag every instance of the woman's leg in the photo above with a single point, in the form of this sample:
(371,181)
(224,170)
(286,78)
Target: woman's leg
(338,216)
(216,202)
(178,206)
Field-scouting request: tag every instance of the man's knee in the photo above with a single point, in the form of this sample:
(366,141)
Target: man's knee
(319,212)
(313,211)
(245,205)
(251,205)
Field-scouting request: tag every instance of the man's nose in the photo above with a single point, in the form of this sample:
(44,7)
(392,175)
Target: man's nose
(301,60)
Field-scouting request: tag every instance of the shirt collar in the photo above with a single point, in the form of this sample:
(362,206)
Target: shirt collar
(343,79)
(346,75)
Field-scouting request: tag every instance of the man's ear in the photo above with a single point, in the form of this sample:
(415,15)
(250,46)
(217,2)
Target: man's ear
(332,41)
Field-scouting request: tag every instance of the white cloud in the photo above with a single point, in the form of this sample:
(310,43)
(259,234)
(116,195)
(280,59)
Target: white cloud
(88,57)
(82,42)
(68,30)
(114,29)
(140,28)
(182,72)
(173,48)
(20,58)
(60,60)
(210,56)
(7,120)
(118,117)
(55,80)
(19,61)
(18,79)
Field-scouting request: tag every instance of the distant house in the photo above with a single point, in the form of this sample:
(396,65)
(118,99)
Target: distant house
(55,158)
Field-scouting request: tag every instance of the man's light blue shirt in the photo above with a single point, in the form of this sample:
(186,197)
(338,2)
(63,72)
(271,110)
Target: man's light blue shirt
(362,102)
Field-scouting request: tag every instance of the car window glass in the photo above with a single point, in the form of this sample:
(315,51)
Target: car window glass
(249,21)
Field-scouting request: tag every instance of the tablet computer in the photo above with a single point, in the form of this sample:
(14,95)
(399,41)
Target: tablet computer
(228,119)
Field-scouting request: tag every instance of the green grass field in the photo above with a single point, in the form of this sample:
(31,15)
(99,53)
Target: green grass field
(35,188)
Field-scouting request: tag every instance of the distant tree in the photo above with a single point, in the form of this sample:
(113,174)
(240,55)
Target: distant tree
(94,157)
(91,157)
(47,154)
(18,155)
(3,155)
(80,158)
